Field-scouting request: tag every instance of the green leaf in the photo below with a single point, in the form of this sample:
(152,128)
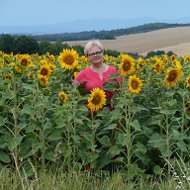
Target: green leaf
(157,169)
(136,125)
(122,139)
(14,142)
(2,121)
(105,141)
(54,136)
(114,150)
(4,157)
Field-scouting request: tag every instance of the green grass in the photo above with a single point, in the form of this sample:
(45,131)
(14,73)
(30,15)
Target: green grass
(78,180)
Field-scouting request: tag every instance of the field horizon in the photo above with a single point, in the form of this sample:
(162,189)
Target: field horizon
(176,40)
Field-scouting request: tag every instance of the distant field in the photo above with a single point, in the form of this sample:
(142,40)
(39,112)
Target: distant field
(173,39)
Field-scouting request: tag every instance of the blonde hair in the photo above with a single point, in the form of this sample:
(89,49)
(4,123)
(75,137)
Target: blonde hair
(91,44)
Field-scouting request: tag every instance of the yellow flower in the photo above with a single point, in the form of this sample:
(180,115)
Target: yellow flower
(24,60)
(158,66)
(43,80)
(63,96)
(127,65)
(7,76)
(45,70)
(135,84)
(68,59)
(187,82)
(75,74)
(173,76)
(97,99)
(17,69)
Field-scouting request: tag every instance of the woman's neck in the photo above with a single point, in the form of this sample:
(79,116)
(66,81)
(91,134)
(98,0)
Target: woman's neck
(102,68)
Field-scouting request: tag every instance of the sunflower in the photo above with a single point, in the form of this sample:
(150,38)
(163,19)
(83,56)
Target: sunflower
(7,76)
(187,58)
(135,84)
(158,66)
(24,60)
(177,64)
(173,76)
(43,80)
(187,82)
(68,59)
(45,70)
(17,69)
(97,99)
(127,65)
(173,58)
(63,96)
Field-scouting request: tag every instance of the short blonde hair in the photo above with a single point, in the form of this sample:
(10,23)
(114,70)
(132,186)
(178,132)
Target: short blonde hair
(91,44)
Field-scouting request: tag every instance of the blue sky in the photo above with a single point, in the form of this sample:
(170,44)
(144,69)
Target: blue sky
(44,12)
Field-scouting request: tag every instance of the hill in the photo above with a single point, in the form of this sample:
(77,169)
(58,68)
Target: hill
(170,39)
(103,34)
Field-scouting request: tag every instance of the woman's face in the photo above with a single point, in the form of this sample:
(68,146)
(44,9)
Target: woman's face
(95,56)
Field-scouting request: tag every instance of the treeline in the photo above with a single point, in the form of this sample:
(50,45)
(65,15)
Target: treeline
(104,34)
(27,45)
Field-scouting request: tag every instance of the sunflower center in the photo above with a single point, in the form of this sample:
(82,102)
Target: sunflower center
(69,60)
(24,62)
(96,99)
(134,84)
(126,65)
(158,67)
(172,76)
(44,72)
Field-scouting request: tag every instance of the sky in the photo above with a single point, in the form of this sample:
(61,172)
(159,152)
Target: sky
(45,12)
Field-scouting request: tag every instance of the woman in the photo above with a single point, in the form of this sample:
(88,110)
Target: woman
(98,73)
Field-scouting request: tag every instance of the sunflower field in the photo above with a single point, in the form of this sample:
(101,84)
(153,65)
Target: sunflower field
(45,121)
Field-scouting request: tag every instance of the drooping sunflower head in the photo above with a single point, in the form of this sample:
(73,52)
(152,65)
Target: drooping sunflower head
(187,82)
(7,76)
(97,99)
(177,64)
(165,59)
(173,75)
(158,66)
(135,84)
(63,96)
(68,59)
(127,65)
(187,58)
(43,80)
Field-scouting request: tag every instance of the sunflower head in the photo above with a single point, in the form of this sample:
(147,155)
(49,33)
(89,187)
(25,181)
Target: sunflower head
(24,60)
(43,80)
(127,65)
(7,76)
(173,76)
(97,99)
(135,84)
(63,96)
(158,66)
(187,82)
(45,70)
(68,59)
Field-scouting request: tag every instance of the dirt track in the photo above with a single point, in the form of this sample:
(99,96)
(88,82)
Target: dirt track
(174,39)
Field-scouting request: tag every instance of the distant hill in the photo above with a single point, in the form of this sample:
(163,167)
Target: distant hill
(111,34)
(87,25)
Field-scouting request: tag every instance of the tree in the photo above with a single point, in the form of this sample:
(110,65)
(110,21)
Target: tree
(7,43)
(26,44)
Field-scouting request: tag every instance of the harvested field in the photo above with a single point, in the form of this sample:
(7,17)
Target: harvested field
(172,39)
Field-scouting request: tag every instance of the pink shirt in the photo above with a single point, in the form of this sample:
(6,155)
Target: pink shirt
(93,79)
